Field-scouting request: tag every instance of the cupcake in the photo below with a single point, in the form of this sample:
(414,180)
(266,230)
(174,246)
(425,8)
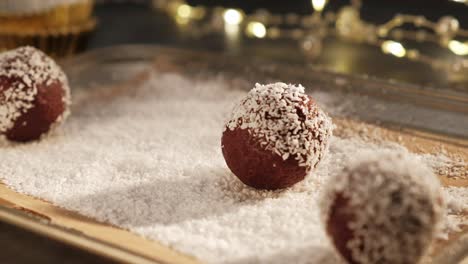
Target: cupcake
(44,14)
(58,27)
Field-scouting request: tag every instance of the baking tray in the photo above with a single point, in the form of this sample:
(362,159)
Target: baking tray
(432,119)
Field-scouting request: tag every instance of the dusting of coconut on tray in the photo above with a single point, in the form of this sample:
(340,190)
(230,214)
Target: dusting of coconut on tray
(151,163)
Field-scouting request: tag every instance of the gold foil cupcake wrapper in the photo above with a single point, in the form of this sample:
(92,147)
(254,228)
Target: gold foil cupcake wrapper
(58,42)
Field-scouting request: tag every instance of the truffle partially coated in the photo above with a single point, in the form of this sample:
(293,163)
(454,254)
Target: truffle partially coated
(383,208)
(275,136)
(34,94)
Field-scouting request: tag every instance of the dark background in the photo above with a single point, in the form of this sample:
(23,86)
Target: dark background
(133,21)
(136,22)
(374,10)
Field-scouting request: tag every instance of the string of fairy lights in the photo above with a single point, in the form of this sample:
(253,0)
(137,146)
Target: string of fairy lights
(346,24)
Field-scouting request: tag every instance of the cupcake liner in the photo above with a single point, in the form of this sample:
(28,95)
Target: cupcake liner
(31,7)
(59,16)
(57,42)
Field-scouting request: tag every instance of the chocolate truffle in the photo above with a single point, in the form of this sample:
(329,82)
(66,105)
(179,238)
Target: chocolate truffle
(275,136)
(383,208)
(34,94)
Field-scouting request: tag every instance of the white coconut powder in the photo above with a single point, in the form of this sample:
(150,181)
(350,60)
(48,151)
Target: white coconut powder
(152,163)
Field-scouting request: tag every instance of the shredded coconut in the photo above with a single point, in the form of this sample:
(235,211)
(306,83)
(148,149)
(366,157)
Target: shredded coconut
(449,167)
(456,199)
(284,121)
(21,71)
(151,162)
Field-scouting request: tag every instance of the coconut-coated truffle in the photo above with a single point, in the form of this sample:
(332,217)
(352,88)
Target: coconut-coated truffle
(275,136)
(34,94)
(383,208)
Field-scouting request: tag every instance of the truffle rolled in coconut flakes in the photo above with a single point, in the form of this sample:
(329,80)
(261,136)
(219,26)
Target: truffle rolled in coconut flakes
(34,94)
(275,136)
(385,207)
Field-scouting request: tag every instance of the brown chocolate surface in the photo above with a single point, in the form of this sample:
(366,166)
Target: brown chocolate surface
(47,107)
(257,167)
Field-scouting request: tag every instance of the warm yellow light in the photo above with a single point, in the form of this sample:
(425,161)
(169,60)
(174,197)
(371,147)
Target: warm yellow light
(232,17)
(184,11)
(256,29)
(394,48)
(318,5)
(459,1)
(458,47)
(182,20)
